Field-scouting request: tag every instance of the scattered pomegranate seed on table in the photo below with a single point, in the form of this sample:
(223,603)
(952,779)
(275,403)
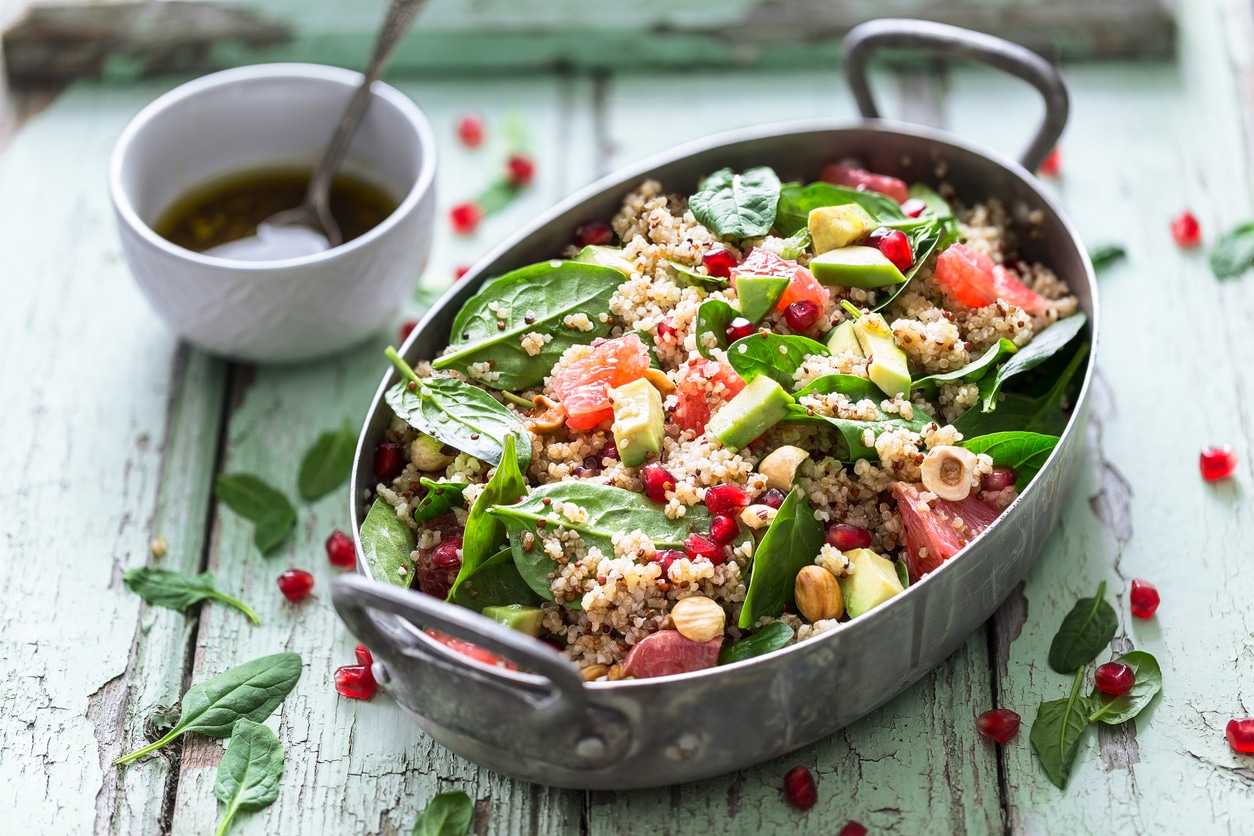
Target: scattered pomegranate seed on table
(1240,734)
(465,217)
(845,536)
(740,328)
(1143,599)
(722,498)
(340,550)
(719,263)
(520,169)
(1051,166)
(998,724)
(802,315)
(657,481)
(1114,678)
(913,207)
(723,528)
(388,461)
(1000,478)
(295,584)
(799,789)
(697,546)
(363,655)
(355,682)
(852,829)
(460,272)
(1217,463)
(593,234)
(470,131)
(407,328)
(1186,230)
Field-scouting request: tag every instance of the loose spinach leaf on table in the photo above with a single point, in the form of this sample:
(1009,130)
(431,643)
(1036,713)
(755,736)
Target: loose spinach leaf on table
(1234,252)
(536,298)
(448,814)
(272,529)
(254,499)
(975,370)
(1104,255)
(692,276)
(386,544)
(248,776)
(796,201)
(486,535)
(775,355)
(737,205)
(326,464)
(1085,630)
(253,690)
(1120,709)
(1043,346)
(496,583)
(772,637)
(178,592)
(1056,732)
(1016,413)
(791,542)
(1025,452)
(441,498)
(713,317)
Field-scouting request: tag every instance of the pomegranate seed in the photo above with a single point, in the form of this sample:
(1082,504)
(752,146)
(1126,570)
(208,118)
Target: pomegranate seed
(556,644)
(665,329)
(999,479)
(388,461)
(1143,599)
(355,682)
(845,536)
(877,235)
(340,549)
(666,558)
(363,655)
(520,169)
(852,829)
(739,329)
(913,207)
(697,546)
(1240,734)
(1114,678)
(460,272)
(609,451)
(799,789)
(719,263)
(723,528)
(774,497)
(593,234)
(470,131)
(657,481)
(1186,230)
(801,316)
(998,724)
(1051,166)
(1218,463)
(445,555)
(721,498)
(407,328)
(465,217)
(896,248)
(295,584)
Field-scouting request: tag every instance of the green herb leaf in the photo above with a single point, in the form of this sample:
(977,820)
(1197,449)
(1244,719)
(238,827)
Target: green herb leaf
(485,535)
(496,583)
(1104,255)
(178,592)
(1234,252)
(796,201)
(972,371)
(772,637)
(253,690)
(791,542)
(1043,346)
(713,317)
(536,298)
(448,814)
(386,544)
(327,463)
(737,205)
(903,573)
(1085,630)
(250,497)
(1016,413)
(248,776)
(1056,732)
(460,415)
(796,244)
(272,529)
(1120,709)
(1025,452)
(775,355)
(441,498)
(692,276)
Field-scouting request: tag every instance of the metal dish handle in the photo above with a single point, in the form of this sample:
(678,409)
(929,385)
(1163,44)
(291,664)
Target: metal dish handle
(865,39)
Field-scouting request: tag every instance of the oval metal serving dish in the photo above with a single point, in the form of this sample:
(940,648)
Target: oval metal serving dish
(549,726)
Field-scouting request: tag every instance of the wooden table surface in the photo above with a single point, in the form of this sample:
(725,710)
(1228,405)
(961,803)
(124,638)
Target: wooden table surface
(113,431)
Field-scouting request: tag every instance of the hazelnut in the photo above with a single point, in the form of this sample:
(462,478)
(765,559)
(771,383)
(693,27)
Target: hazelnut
(427,454)
(658,379)
(545,415)
(780,467)
(818,594)
(698,618)
(949,471)
(758,516)
(594,672)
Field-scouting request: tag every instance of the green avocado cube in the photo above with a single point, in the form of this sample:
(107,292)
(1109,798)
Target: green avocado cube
(873,581)
(855,267)
(843,340)
(759,406)
(606,257)
(833,227)
(889,368)
(638,421)
(522,618)
(758,294)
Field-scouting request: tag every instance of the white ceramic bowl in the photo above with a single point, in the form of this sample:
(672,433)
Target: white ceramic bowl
(274,115)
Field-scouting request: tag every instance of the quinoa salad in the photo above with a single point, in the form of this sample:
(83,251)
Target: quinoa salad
(725,422)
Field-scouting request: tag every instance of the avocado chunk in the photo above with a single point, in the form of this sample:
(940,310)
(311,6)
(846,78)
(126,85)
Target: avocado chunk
(758,294)
(874,581)
(638,421)
(833,227)
(522,618)
(759,406)
(606,257)
(855,267)
(889,369)
(843,340)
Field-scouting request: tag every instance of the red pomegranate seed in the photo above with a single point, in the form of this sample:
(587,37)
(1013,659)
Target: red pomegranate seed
(407,328)
(913,207)
(774,497)
(739,329)
(845,536)
(340,550)
(1218,463)
(1143,599)
(363,655)
(1240,734)
(723,528)
(896,248)
(609,451)
(877,235)
(445,555)
(657,481)
(998,724)
(852,829)
(801,316)
(722,498)
(593,234)
(295,584)
(355,682)
(1114,678)
(719,263)
(697,546)
(666,558)
(520,169)
(665,329)
(999,479)
(388,461)
(1186,230)
(465,217)
(799,789)
(460,272)
(1051,166)
(470,131)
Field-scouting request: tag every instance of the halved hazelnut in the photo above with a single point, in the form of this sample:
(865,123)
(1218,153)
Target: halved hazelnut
(780,466)
(545,416)
(948,472)
(758,516)
(659,381)
(428,454)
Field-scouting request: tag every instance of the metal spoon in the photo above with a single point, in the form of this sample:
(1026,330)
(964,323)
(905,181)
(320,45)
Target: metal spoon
(309,228)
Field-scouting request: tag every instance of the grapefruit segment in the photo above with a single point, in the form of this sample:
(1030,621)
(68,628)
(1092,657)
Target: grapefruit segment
(931,538)
(583,385)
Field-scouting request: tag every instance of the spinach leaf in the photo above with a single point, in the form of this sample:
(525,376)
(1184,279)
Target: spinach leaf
(1085,630)
(972,371)
(272,529)
(485,535)
(1120,709)
(854,387)
(903,573)
(448,814)
(772,637)
(932,237)
(386,544)
(178,592)
(796,201)
(326,464)
(253,690)
(1104,255)
(256,500)
(496,583)
(1018,413)
(791,542)
(1043,346)
(1234,252)
(490,326)
(248,776)
(937,206)
(610,510)
(1056,732)
(441,498)
(689,275)
(1025,452)
(852,432)
(713,317)
(737,205)
(776,355)
(796,244)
